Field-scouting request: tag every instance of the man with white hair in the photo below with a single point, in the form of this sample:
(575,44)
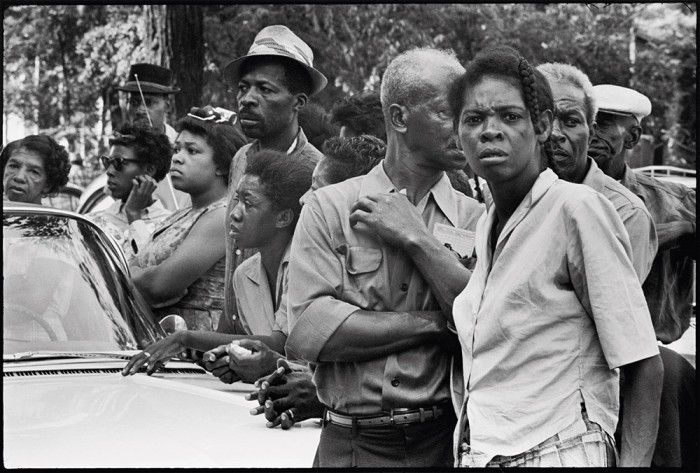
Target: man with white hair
(371,276)
(574,116)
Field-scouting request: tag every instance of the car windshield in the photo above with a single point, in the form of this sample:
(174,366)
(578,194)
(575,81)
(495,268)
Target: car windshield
(64,290)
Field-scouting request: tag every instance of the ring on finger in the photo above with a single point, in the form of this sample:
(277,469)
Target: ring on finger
(290,414)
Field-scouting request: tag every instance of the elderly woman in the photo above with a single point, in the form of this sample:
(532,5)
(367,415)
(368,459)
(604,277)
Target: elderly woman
(33,167)
(554,306)
(180,270)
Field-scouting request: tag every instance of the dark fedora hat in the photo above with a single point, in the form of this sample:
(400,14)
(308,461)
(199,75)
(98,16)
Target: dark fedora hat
(152,79)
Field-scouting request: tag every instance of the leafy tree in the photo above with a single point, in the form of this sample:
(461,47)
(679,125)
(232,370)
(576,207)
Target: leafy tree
(62,63)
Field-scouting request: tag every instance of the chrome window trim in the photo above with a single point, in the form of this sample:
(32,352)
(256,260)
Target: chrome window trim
(117,252)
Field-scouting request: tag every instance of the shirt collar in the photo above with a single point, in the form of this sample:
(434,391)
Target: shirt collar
(297,146)
(629,178)
(594,177)
(255,271)
(542,184)
(377,182)
(544,181)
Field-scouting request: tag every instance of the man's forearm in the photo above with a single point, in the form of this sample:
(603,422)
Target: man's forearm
(670,233)
(444,273)
(367,335)
(640,423)
(205,340)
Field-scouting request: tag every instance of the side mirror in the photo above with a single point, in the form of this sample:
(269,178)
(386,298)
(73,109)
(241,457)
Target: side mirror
(172,323)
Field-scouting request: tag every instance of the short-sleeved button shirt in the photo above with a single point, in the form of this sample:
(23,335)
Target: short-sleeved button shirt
(259,312)
(547,317)
(634,215)
(336,269)
(669,287)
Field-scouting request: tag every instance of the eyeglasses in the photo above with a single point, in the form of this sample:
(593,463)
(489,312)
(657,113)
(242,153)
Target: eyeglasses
(117,162)
(135,100)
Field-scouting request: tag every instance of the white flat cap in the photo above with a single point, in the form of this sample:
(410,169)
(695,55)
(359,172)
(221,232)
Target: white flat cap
(621,101)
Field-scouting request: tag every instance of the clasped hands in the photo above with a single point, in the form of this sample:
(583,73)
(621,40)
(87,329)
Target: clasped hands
(286,396)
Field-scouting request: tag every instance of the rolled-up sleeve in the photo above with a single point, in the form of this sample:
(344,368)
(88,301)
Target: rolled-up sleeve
(607,284)
(642,233)
(315,282)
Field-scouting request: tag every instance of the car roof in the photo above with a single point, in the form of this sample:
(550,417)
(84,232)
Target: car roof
(684,176)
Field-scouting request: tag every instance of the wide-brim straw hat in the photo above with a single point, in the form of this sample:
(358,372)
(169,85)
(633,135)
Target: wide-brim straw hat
(278,40)
(152,79)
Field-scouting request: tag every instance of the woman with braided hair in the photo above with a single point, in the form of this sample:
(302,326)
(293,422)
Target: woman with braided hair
(554,305)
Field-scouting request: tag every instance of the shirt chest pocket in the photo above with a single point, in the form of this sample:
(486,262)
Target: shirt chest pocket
(364,277)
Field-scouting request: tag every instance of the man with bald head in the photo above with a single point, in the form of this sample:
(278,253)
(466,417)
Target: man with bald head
(372,277)
(574,117)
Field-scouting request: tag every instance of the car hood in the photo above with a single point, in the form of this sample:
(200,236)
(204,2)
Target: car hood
(106,420)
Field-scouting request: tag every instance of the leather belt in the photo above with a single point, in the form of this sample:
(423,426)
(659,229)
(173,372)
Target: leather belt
(393,417)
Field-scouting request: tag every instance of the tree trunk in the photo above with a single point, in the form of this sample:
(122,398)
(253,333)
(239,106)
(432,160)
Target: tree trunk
(175,38)
(186,27)
(156,35)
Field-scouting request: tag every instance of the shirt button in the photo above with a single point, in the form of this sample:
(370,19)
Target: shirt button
(404,287)
(395,382)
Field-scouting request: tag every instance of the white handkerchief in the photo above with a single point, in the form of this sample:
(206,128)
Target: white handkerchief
(457,239)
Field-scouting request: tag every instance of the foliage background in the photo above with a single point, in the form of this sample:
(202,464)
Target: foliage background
(62,63)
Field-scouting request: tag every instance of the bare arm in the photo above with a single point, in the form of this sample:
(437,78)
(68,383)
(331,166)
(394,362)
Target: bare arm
(368,335)
(205,341)
(444,273)
(198,252)
(671,234)
(322,326)
(640,423)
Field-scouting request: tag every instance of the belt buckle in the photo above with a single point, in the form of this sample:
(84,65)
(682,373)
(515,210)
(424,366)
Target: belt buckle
(398,411)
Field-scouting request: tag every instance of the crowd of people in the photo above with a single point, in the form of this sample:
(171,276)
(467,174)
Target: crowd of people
(469,274)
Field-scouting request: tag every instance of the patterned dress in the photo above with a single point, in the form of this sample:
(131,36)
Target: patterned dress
(202,303)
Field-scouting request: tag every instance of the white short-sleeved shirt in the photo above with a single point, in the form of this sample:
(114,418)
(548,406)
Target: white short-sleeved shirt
(546,319)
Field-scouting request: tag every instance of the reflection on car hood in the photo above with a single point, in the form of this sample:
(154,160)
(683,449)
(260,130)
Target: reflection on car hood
(106,420)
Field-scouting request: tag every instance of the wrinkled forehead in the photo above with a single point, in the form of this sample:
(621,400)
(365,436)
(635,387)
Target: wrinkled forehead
(251,185)
(490,90)
(567,95)
(27,156)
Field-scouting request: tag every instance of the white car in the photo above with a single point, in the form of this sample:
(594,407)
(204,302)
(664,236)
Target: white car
(71,320)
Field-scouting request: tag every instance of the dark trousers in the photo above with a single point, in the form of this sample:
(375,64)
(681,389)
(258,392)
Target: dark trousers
(413,445)
(677,441)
